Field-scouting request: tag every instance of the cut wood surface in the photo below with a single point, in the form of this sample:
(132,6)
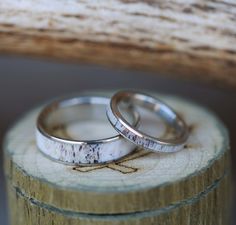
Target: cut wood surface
(210,207)
(191,186)
(189,38)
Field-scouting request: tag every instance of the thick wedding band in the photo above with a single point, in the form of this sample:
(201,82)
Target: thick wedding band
(80,152)
(131,133)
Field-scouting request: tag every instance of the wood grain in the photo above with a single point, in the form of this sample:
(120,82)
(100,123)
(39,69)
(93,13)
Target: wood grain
(190,39)
(211,207)
(191,186)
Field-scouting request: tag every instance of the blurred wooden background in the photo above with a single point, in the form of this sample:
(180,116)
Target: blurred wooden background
(179,38)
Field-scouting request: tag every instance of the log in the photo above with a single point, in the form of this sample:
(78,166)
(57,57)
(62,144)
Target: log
(188,39)
(192,186)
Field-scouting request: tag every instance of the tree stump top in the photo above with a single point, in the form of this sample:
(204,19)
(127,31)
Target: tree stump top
(135,179)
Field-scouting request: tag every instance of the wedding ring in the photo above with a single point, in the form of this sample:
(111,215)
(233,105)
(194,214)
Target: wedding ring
(139,138)
(54,117)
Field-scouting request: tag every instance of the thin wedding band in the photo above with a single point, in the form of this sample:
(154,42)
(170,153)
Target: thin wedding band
(139,138)
(80,152)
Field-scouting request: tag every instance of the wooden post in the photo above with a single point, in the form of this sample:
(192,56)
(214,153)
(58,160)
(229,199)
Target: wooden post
(190,187)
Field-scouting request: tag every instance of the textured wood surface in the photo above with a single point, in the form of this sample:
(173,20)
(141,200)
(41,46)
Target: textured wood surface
(186,38)
(210,207)
(189,187)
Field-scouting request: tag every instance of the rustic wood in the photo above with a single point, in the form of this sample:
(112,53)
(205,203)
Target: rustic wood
(209,208)
(187,38)
(188,187)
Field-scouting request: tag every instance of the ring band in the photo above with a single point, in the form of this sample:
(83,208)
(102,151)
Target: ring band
(131,133)
(79,152)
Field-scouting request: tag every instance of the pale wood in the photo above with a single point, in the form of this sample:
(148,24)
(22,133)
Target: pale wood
(209,208)
(186,38)
(193,186)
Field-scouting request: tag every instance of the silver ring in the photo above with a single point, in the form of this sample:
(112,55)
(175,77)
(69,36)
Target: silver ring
(132,134)
(79,152)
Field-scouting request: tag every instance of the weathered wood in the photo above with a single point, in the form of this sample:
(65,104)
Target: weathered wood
(210,207)
(187,38)
(187,187)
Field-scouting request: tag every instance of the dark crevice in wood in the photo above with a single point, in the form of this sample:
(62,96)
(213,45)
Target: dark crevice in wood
(204,7)
(74,16)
